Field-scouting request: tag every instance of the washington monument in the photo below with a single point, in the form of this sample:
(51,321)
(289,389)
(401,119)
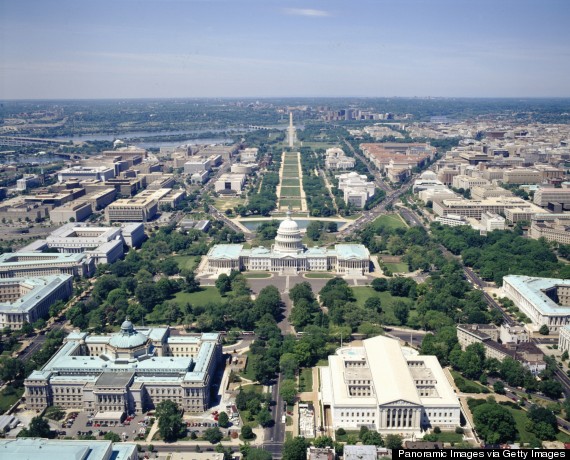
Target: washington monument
(292,137)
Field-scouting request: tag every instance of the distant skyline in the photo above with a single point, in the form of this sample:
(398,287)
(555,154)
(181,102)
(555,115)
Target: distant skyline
(68,49)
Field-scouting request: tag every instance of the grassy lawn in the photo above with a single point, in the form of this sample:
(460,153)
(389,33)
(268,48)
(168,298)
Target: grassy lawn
(290,183)
(9,396)
(290,191)
(467,386)
(520,421)
(319,275)
(397,267)
(306,380)
(204,296)
(448,436)
(248,371)
(361,293)
(389,221)
(290,202)
(344,437)
(187,262)
(257,275)
(224,203)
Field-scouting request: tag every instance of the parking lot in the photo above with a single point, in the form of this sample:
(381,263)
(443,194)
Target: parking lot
(81,424)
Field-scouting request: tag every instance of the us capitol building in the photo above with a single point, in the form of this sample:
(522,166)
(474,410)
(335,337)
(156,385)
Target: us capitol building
(289,256)
(128,372)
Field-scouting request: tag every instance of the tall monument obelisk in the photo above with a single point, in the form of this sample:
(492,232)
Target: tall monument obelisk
(291,131)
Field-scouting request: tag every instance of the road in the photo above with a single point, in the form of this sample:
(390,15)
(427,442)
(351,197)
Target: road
(275,435)
(38,341)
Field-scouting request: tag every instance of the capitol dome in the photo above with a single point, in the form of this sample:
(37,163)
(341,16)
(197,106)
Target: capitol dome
(128,337)
(288,239)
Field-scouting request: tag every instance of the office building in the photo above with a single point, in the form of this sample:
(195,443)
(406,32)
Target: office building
(60,449)
(472,208)
(515,343)
(230,183)
(28,299)
(545,301)
(483,192)
(522,176)
(335,158)
(468,182)
(102,173)
(136,209)
(356,188)
(129,372)
(34,264)
(70,212)
(491,221)
(552,227)
(387,388)
(547,196)
(452,220)
(248,155)
(28,181)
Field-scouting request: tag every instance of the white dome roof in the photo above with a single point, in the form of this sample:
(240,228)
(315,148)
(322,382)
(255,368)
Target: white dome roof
(128,337)
(428,175)
(288,226)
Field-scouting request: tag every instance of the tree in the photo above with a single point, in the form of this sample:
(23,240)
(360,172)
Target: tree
(223,284)
(288,391)
(113,437)
(393,441)
(27,328)
(494,423)
(401,311)
(264,418)
(295,449)
(223,420)
(213,435)
(551,388)
(499,387)
(544,330)
(373,303)
(11,369)
(39,428)
(372,438)
(380,284)
(247,432)
(170,423)
(314,230)
(288,363)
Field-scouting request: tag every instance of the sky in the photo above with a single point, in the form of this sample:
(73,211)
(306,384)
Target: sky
(69,49)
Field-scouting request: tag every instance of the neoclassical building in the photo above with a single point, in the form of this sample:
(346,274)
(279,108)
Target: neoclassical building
(289,255)
(546,301)
(128,372)
(386,388)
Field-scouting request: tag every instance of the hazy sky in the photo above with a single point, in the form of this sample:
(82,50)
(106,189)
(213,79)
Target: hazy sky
(239,48)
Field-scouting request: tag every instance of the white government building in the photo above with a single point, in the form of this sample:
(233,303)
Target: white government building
(289,255)
(128,372)
(543,300)
(387,388)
